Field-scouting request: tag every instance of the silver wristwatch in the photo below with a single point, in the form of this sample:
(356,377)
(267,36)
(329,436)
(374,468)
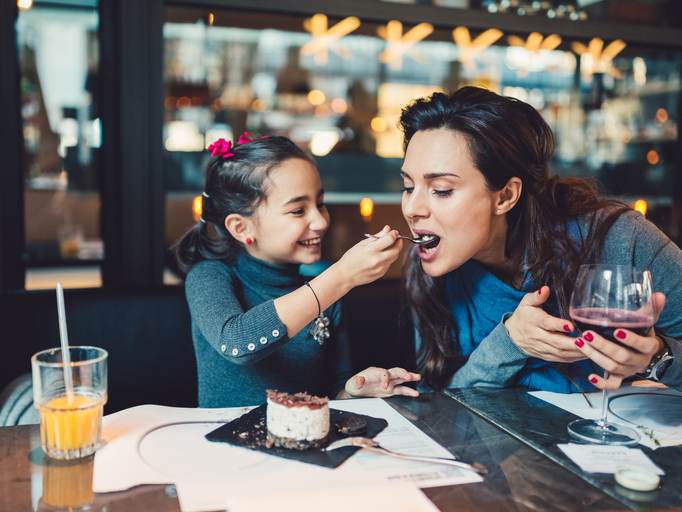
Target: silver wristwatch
(658,365)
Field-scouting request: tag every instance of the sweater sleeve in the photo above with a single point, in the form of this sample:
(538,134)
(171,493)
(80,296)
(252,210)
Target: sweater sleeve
(338,357)
(495,363)
(653,250)
(241,337)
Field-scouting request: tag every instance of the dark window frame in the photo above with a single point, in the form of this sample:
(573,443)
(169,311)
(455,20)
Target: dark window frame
(131,96)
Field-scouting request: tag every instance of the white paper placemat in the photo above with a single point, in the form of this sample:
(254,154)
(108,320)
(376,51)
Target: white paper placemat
(152,444)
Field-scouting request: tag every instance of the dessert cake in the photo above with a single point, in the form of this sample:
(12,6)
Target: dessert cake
(298,422)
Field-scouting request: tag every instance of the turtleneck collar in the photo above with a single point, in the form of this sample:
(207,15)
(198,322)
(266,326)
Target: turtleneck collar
(266,275)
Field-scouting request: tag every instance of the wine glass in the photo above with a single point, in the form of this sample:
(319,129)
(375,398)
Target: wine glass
(605,298)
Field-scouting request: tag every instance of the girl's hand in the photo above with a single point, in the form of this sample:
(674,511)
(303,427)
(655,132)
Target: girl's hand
(379,382)
(621,361)
(370,259)
(536,332)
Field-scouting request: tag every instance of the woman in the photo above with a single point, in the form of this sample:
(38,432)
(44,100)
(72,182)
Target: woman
(490,295)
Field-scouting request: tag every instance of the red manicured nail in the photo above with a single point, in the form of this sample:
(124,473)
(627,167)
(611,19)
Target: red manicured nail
(567,328)
(593,380)
(579,343)
(620,335)
(588,336)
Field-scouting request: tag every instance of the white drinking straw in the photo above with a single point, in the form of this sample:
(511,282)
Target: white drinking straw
(64,339)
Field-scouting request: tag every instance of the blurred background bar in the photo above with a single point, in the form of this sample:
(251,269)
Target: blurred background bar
(108,108)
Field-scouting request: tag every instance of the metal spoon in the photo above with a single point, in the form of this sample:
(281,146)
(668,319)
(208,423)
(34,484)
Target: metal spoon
(419,241)
(371,445)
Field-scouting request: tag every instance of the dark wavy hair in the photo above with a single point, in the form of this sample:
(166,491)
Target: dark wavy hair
(506,138)
(233,185)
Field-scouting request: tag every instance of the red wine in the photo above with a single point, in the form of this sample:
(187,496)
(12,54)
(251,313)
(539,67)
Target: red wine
(605,322)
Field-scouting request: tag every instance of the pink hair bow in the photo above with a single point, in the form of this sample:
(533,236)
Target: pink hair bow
(244,138)
(221,148)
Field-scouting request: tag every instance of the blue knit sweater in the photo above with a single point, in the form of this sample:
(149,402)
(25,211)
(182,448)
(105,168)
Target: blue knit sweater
(241,345)
(480,302)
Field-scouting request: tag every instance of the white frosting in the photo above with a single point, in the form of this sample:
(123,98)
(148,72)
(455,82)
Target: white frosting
(300,423)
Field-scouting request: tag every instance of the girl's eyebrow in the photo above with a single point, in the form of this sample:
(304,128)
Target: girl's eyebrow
(299,199)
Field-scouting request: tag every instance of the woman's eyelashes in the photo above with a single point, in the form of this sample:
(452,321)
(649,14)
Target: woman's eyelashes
(435,192)
(443,193)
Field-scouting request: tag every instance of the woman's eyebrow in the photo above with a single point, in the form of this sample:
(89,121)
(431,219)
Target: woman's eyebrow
(434,175)
(431,175)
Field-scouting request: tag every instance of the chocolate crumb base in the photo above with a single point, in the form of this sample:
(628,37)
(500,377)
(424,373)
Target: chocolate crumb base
(351,425)
(293,444)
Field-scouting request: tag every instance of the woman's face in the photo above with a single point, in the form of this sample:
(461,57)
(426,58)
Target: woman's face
(289,224)
(446,195)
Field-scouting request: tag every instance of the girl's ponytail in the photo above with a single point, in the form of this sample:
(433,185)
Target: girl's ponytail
(194,246)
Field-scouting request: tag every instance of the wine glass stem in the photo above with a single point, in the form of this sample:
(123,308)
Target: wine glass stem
(604,403)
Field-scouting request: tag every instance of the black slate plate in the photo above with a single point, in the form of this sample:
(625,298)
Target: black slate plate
(252,428)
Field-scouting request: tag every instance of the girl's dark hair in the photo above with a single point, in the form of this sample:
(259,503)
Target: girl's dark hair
(506,138)
(235,184)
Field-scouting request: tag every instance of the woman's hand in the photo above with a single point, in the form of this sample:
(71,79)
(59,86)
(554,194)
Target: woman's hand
(536,332)
(369,259)
(621,361)
(379,382)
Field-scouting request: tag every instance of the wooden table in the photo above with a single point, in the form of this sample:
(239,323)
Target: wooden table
(522,475)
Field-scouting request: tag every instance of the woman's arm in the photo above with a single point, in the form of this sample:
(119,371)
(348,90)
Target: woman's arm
(495,363)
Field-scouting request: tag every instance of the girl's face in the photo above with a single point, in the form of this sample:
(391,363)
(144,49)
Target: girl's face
(288,226)
(446,195)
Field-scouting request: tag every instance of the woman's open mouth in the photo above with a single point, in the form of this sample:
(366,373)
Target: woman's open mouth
(429,245)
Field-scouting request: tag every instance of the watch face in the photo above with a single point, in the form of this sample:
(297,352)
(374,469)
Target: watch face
(659,368)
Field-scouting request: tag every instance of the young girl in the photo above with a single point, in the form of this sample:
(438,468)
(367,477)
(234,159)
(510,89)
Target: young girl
(491,294)
(256,322)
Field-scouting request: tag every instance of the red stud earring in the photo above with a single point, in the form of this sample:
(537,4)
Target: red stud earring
(249,240)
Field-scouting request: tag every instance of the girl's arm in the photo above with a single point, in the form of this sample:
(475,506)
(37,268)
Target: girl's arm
(363,263)
(239,335)
(247,336)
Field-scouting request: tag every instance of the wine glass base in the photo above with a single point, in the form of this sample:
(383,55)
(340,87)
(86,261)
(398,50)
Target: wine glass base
(595,432)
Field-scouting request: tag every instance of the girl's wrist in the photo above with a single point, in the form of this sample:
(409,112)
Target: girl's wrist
(341,281)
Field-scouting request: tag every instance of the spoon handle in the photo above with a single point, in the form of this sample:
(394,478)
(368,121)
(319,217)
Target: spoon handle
(367,235)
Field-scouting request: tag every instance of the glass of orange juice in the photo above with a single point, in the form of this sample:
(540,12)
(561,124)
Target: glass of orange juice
(70,421)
